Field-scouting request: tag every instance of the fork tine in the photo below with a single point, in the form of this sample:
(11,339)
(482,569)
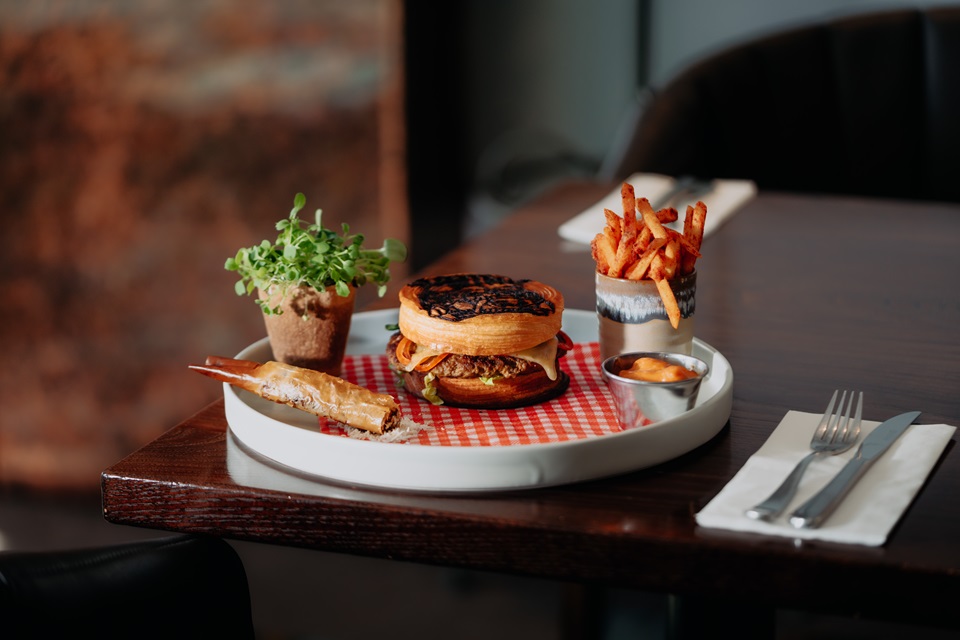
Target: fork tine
(836,417)
(846,419)
(825,420)
(857,419)
(851,426)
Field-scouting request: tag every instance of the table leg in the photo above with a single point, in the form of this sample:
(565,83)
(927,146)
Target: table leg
(583,612)
(692,618)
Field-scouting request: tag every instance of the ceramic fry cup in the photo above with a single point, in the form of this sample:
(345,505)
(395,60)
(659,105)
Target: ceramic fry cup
(632,317)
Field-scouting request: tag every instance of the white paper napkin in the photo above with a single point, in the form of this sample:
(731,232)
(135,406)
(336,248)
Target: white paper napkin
(867,514)
(722,202)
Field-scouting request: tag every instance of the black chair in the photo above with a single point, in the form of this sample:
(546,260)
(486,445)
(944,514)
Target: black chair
(866,104)
(174,587)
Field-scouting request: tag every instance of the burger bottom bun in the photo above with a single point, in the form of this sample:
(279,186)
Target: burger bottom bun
(504,393)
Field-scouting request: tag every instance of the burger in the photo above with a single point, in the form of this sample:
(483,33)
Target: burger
(480,341)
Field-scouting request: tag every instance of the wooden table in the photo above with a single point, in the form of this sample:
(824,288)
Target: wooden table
(802,294)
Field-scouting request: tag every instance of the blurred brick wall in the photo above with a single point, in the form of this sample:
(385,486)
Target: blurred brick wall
(141,144)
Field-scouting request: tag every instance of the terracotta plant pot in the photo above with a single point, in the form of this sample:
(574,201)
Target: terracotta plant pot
(313,328)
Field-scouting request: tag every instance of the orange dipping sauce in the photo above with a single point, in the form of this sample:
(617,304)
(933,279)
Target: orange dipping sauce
(655,370)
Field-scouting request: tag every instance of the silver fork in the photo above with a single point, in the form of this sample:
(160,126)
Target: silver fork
(835,434)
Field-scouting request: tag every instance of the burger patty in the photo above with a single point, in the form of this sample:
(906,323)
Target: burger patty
(458,365)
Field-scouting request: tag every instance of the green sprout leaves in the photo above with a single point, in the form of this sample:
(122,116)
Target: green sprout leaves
(313,256)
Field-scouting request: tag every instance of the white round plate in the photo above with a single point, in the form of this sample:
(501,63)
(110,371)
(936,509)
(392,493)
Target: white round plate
(291,437)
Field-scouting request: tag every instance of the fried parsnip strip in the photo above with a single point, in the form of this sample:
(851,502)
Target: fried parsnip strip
(625,248)
(668,215)
(650,218)
(686,246)
(639,269)
(671,258)
(643,240)
(669,302)
(312,391)
(693,229)
(614,224)
(629,200)
(604,252)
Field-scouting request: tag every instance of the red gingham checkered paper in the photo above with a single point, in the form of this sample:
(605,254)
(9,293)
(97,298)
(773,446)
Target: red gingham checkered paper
(585,410)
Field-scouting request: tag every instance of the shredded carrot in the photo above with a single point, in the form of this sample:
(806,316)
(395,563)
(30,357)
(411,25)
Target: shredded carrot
(404,347)
(431,362)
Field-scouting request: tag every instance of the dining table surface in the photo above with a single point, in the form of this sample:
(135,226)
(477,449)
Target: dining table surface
(801,293)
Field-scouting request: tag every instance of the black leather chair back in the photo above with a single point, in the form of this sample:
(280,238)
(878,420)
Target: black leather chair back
(866,105)
(174,587)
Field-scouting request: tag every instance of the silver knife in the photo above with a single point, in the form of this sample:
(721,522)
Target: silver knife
(814,511)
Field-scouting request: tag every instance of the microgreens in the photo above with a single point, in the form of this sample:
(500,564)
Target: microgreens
(312,256)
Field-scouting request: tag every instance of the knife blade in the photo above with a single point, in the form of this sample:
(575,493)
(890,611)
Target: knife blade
(814,511)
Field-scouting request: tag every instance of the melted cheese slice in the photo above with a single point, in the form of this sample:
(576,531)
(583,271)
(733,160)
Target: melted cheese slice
(544,354)
(418,356)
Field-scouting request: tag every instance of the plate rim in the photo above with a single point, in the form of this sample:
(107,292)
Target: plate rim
(540,458)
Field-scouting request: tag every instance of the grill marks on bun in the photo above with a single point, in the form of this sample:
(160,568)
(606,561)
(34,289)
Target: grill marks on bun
(463,296)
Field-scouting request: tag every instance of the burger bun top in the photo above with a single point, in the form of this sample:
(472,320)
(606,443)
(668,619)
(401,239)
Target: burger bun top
(479,314)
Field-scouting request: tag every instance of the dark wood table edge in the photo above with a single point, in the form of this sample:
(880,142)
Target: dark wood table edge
(563,556)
